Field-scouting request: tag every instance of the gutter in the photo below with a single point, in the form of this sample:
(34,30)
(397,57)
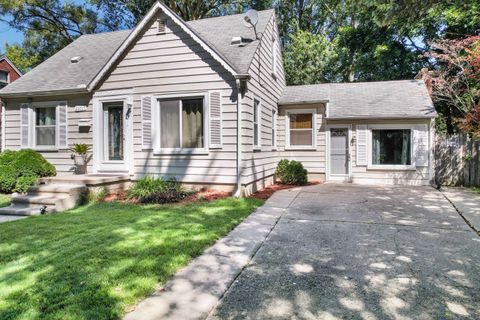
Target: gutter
(42,93)
(238,191)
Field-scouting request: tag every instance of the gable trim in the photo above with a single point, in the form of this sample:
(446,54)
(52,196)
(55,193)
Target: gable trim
(133,35)
(11,64)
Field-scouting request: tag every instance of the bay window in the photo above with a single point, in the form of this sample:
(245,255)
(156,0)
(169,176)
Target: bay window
(45,126)
(182,123)
(392,147)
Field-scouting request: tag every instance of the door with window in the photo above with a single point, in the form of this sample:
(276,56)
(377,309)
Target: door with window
(115,116)
(339,153)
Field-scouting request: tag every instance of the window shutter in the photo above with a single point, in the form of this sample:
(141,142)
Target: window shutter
(420,141)
(62,126)
(361,145)
(147,122)
(24,125)
(215,120)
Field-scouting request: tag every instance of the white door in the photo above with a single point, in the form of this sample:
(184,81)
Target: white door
(114,146)
(339,154)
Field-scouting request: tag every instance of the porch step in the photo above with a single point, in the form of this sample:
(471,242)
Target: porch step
(86,180)
(19,209)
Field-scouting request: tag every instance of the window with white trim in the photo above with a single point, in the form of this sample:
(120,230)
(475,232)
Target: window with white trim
(301,128)
(274,57)
(274,128)
(257,113)
(391,147)
(182,123)
(45,126)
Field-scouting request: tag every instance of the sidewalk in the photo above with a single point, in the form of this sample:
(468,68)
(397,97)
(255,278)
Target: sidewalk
(467,202)
(195,290)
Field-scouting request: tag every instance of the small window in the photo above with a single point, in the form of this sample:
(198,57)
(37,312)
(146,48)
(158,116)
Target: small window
(256,123)
(45,126)
(274,127)
(301,129)
(182,123)
(274,57)
(3,79)
(391,147)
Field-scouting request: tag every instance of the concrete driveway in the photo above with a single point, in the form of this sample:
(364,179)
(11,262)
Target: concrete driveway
(343,251)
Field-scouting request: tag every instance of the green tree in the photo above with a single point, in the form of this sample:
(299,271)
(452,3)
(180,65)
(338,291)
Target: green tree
(309,59)
(18,55)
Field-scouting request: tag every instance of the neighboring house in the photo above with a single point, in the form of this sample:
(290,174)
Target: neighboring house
(8,74)
(175,98)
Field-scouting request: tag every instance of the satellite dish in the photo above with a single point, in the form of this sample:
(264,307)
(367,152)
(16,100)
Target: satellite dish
(251,18)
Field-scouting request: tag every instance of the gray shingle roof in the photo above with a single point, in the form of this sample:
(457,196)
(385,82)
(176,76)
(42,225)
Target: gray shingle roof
(218,32)
(384,99)
(58,73)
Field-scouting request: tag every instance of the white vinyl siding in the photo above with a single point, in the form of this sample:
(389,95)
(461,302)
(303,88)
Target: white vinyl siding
(173,64)
(16,131)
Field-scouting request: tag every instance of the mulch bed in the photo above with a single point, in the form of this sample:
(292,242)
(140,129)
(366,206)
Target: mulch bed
(207,195)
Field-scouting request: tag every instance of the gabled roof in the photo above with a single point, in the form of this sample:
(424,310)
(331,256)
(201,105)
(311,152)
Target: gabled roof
(219,32)
(364,100)
(101,51)
(59,74)
(4,57)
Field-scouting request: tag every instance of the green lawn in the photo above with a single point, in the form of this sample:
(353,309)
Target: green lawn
(4,200)
(476,189)
(95,261)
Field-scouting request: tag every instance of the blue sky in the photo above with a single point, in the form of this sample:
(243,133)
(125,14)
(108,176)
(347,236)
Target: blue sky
(8,35)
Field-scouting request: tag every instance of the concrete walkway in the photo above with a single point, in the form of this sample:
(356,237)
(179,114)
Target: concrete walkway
(194,291)
(467,203)
(5,218)
(334,251)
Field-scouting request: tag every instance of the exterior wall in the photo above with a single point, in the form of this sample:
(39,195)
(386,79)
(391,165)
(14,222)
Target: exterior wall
(60,158)
(12,73)
(259,164)
(364,175)
(313,159)
(12,76)
(172,63)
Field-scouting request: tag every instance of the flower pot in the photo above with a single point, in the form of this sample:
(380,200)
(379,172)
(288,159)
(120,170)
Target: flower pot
(80,164)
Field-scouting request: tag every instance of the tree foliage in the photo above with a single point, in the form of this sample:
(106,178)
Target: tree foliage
(456,85)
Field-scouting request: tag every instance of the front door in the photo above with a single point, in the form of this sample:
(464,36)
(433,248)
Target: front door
(339,154)
(114,134)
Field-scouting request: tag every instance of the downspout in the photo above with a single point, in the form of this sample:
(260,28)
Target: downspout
(238,191)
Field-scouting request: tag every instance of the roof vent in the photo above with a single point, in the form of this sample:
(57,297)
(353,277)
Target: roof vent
(236,41)
(161,26)
(75,59)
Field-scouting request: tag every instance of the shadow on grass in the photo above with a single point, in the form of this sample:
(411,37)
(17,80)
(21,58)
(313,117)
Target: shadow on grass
(95,261)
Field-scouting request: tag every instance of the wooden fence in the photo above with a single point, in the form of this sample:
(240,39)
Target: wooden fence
(457,160)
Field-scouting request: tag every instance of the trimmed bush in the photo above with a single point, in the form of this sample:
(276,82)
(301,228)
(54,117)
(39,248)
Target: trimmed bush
(152,190)
(291,173)
(21,169)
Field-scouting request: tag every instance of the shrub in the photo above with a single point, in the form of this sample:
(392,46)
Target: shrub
(152,190)
(21,169)
(25,182)
(97,195)
(291,172)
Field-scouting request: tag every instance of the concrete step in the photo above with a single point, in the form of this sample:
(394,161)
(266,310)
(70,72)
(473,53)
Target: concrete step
(57,188)
(87,179)
(18,209)
(61,201)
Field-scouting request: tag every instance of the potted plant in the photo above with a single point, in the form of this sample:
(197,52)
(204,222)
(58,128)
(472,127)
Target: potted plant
(80,157)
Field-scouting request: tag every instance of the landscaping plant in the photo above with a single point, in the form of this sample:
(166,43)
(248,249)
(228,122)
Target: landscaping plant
(20,170)
(157,190)
(291,173)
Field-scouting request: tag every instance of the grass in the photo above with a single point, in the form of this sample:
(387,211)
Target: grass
(476,189)
(95,261)
(4,200)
